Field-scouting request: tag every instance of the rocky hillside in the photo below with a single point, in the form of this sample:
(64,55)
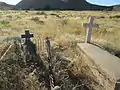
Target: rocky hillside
(116,8)
(5,6)
(59,4)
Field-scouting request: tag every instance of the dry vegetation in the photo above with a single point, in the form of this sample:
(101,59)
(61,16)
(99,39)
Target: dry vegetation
(65,28)
(3,48)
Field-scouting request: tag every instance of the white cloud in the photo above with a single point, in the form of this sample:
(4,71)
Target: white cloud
(105,2)
(11,1)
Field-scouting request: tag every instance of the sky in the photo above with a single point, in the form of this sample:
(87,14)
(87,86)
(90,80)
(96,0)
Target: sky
(99,2)
(105,2)
(11,1)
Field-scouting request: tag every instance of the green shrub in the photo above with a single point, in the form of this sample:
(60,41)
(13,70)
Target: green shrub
(41,22)
(41,13)
(53,14)
(115,16)
(5,23)
(9,16)
(38,13)
(35,19)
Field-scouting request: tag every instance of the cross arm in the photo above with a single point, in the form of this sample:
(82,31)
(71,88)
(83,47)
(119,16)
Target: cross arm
(27,36)
(95,25)
(86,25)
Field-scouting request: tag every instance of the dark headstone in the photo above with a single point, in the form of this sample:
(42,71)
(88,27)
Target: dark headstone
(27,35)
(29,48)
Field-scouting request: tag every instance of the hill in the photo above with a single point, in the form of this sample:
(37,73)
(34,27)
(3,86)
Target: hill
(116,8)
(5,6)
(59,5)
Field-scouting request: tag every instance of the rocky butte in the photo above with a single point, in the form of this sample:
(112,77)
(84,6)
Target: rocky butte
(59,5)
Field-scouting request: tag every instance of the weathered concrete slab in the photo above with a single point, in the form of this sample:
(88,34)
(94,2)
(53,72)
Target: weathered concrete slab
(107,61)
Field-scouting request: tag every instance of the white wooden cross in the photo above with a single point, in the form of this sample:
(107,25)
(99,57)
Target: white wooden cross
(90,26)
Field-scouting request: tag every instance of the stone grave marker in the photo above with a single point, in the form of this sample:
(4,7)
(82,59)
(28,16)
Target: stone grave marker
(27,36)
(90,25)
(29,48)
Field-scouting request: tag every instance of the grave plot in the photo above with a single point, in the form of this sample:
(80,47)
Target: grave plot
(64,77)
(11,67)
(23,69)
(22,72)
(98,54)
(15,72)
(60,74)
(108,62)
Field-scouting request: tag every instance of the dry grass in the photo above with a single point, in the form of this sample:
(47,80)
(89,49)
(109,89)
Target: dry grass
(65,28)
(60,24)
(3,48)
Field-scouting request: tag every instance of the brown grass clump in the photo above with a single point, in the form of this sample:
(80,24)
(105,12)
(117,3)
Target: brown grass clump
(3,48)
